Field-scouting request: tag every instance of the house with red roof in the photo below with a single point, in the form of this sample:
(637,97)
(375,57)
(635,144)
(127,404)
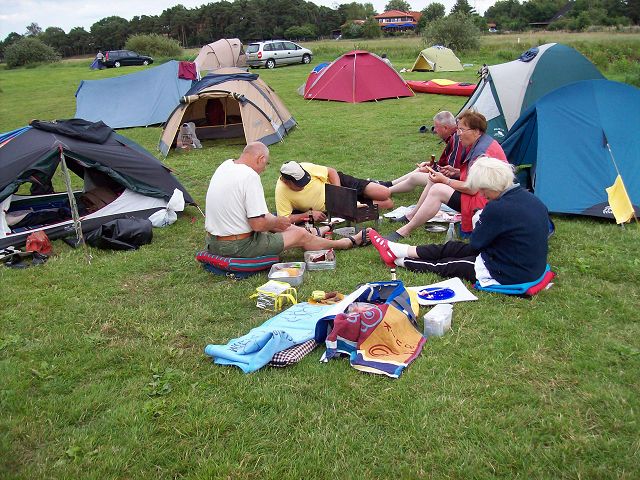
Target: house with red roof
(398,20)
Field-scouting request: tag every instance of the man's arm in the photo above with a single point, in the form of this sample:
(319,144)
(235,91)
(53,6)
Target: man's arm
(334,179)
(318,216)
(269,223)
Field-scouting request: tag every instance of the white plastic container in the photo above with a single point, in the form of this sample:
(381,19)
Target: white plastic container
(290,272)
(437,321)
(320,259)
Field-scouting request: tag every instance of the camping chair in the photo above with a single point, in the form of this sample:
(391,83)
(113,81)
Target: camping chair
(343,202)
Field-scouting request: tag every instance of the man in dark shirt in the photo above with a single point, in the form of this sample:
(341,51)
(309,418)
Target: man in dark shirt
(444,125)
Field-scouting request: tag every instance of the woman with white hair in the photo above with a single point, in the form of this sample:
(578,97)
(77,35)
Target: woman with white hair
(509,242)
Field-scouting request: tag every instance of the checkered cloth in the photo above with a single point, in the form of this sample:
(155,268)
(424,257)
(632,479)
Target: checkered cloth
(293,355)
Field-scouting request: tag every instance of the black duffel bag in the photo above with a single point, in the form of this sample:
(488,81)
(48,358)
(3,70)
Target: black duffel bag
(121,234)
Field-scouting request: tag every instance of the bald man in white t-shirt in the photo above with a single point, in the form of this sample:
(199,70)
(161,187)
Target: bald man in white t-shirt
(238,222)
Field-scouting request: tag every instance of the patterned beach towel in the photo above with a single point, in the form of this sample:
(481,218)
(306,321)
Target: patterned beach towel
(383,339)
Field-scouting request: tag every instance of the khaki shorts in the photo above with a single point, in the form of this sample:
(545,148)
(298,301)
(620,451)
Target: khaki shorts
(257,245)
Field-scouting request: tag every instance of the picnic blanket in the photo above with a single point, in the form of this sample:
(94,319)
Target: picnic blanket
(254,350)
(294,326)
(383,339)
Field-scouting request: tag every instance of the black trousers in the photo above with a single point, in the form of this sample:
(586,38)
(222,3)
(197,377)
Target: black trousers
(453,259)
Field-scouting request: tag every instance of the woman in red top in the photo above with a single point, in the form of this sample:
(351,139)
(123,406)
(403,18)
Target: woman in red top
(444,188)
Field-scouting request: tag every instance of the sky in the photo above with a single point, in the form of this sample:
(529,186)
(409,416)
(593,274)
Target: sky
(15,15)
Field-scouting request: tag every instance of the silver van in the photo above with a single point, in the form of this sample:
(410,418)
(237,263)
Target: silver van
(271,53)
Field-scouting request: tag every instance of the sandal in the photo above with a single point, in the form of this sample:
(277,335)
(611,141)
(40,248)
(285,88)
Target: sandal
(364,241)
(382,245)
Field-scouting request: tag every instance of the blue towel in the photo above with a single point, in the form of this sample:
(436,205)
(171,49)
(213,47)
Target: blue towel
(254,350)
(517,289)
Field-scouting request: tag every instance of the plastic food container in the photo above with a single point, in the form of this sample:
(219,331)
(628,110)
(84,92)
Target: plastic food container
(438,320)
(290,272)
(320,259)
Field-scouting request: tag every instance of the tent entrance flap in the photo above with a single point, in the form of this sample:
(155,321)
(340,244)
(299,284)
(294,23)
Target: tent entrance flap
(215,115)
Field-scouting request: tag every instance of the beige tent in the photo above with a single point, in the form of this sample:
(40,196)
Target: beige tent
(230,103)
(437,59)
(227,52)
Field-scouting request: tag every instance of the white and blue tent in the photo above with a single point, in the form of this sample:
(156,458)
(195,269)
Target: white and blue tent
(139,99)
(506,90)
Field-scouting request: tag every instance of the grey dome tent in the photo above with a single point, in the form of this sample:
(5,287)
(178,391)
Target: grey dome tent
(506,90)
(121,179)
(227,52)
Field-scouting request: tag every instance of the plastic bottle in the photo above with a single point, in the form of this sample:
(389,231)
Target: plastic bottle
(437,321)
(451,233)
(309,223)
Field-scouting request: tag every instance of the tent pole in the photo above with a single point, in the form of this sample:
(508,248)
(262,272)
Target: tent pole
(615,165)
(353,80)
(74,207)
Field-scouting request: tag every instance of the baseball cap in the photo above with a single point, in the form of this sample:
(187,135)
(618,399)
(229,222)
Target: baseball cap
(293,172)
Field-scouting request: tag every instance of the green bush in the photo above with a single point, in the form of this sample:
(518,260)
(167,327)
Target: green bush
(154,45)
(300,32)
(352,31)
(371,29)
(29,50)
(633,78)
(457,31)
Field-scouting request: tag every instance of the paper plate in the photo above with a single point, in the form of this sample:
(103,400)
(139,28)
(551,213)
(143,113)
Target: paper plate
(436,228)
(334,221)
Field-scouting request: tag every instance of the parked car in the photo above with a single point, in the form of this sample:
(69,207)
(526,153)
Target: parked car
(271,53)
(123,58)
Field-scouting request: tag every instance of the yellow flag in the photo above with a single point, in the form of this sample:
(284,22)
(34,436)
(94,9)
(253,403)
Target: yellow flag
(619,201)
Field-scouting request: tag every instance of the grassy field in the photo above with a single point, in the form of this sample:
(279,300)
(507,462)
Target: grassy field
(102,365)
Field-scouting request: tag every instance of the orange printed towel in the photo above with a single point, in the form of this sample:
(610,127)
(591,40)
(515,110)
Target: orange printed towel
(381,339)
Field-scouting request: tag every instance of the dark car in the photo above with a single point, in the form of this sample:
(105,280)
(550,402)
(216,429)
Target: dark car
(123,58)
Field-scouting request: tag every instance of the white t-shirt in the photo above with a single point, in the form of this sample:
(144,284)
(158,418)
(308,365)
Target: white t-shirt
(235,194)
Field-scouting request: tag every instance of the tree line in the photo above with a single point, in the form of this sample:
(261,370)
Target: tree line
(298,19)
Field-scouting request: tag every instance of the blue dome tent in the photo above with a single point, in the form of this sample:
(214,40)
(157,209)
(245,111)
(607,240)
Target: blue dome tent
(561,145)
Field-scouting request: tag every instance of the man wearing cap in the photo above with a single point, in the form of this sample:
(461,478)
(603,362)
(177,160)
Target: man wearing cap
(237,219)
(300,188)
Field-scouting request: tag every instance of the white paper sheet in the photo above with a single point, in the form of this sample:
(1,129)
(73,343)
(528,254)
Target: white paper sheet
(399,212)
(462,293)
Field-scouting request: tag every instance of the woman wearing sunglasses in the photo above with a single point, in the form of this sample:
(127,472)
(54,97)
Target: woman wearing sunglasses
(455,193)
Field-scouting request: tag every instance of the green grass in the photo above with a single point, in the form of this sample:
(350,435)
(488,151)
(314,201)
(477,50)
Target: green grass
(104,376)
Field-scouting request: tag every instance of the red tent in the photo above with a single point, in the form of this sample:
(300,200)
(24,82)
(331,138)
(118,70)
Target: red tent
(355,77)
